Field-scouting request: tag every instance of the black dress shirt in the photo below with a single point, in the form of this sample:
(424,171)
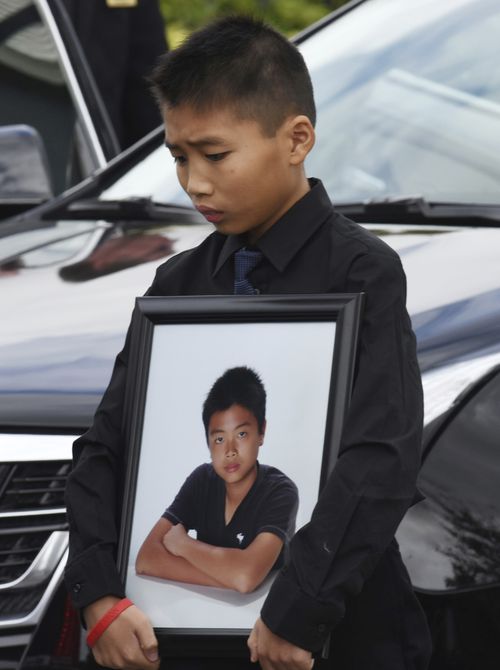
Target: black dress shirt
(311,249)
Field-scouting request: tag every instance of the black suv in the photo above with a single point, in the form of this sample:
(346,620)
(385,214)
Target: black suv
(408,97)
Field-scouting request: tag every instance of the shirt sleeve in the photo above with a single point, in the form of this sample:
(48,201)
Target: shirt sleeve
(374,480)
(94,492)
(279,510)
(186,502)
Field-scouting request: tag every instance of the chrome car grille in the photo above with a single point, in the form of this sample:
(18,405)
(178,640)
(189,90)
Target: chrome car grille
(33,532)
(34,468)
(19,603)
(21,540)
(33,485)
(17,553)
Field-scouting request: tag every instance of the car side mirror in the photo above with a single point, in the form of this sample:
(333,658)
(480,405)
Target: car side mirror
(24,173)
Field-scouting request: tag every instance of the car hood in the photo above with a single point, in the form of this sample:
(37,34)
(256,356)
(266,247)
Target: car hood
(65,328)
(447,266)
(453,291)
(58,346)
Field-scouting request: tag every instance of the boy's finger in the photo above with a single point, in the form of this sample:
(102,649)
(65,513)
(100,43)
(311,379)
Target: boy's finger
(147,640)
(252,645)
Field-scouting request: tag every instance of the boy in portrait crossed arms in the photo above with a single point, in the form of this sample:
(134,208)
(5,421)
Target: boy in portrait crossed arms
(243,511)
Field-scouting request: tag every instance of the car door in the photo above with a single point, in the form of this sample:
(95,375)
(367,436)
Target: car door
(46,85)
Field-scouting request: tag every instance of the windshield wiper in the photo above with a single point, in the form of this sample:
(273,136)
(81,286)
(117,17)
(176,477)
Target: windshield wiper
(129,213)
(131,209)
(416,209)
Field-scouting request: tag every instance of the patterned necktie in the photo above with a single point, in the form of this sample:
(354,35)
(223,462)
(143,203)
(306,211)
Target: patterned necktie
(244,262)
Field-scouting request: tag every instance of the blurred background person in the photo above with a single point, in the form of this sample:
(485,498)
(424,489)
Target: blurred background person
(122,40)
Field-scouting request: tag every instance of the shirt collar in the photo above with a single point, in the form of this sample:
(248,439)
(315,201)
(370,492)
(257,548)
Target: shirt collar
(288,235)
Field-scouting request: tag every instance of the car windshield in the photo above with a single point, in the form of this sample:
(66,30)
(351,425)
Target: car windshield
(408,98)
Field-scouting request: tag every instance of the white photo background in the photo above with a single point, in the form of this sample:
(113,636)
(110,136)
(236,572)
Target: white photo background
(294,361)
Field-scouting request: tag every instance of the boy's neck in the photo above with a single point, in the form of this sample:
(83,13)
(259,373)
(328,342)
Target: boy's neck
(236,492)
(303,187)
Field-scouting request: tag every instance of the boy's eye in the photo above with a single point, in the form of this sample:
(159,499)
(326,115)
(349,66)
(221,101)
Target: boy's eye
(242,433)
(179,160)
(218,440)
(217,157)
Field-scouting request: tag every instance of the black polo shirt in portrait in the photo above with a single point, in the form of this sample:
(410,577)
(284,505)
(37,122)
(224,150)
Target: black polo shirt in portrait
(269,506)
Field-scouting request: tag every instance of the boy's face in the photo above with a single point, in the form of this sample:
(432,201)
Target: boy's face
(234,440)
(241,180)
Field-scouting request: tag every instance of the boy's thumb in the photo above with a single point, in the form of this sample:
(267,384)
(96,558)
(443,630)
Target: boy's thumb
(148,642)
(151,653)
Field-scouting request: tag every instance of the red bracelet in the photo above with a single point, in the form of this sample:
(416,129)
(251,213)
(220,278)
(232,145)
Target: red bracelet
(106,620)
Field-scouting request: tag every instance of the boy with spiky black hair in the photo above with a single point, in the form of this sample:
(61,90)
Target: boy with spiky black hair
(238,109)
(237,386)
(243,512)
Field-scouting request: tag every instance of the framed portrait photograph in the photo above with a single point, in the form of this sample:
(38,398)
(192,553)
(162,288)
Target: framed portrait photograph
(233,417)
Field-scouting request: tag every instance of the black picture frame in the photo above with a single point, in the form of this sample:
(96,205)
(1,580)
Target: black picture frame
(179,345)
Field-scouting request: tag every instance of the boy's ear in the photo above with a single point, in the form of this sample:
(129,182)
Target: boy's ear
(263,431)
(301,135)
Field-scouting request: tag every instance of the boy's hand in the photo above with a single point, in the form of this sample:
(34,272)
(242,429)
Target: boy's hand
(174,539)
(275,653)
(129,642)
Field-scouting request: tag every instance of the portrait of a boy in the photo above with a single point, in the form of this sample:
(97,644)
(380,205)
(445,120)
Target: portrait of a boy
(243,511)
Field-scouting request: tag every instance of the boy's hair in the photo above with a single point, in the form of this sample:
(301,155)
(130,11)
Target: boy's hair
(240,63)
(237,386)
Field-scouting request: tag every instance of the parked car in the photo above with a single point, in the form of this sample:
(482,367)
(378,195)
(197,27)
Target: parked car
(408,97)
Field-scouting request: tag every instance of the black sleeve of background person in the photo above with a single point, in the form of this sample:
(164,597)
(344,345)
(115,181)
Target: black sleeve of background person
(279,510)
(140,113)
(374,480)
(187,501)
(122,45)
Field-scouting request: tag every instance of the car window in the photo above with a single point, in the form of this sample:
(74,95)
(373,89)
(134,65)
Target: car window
(408,98)
(408,101)
(33,90)
(453,537)
(154,177)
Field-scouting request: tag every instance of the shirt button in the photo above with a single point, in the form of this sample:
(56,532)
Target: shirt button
(77,588)
(321,627)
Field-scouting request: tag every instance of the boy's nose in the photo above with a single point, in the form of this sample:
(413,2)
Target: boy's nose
(197,184)
(230,449)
